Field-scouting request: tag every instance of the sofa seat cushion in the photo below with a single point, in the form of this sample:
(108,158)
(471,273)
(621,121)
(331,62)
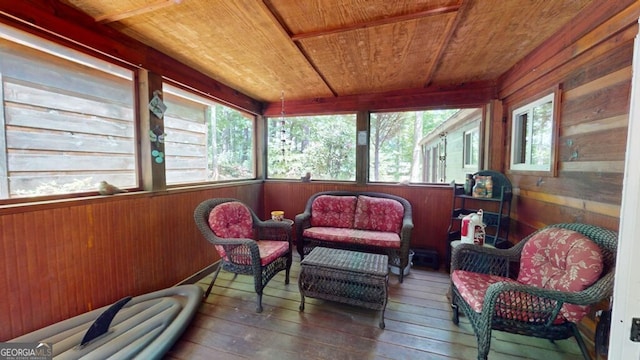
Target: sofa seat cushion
(473,286)
(378,214)
(561,259)
(333,211)
(354,236)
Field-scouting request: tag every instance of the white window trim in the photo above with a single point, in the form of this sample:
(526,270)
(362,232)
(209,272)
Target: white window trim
(514,121)
(471,132)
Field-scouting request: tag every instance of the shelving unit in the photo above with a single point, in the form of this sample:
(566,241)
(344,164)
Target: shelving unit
(496,211)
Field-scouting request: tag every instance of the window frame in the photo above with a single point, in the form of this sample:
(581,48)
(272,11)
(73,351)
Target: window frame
(554,96)
(276,138)
(64,51)
(466,163)
(179,91)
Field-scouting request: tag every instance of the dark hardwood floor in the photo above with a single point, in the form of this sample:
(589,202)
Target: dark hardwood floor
(418,326)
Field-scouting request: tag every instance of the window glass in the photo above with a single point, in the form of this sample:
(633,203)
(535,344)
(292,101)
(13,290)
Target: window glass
(66,119)
(205,141)
(397,152)
(532,135)
(471,148)
(324,146)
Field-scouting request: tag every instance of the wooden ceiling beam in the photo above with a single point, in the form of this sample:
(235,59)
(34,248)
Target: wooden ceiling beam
(279,21)
(434,97)
(65,24)
(377,22)
(462,8)
(109,18)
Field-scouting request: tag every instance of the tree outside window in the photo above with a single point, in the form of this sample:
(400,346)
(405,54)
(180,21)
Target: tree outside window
(324,146)
(532,135)
(205,141)
(395,153)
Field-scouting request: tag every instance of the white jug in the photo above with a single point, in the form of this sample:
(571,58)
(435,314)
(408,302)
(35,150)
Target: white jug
(472,229)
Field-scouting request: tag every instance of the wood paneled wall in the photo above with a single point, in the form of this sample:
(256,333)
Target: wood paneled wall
(60,260)
(595,78)
(593,68)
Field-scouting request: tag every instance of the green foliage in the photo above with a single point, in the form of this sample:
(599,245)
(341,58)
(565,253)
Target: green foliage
(232,148)
(321,145)
(325,145)
(393,141)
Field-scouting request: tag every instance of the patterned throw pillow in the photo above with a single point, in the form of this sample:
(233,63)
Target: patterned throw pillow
(333,211)
(378,214)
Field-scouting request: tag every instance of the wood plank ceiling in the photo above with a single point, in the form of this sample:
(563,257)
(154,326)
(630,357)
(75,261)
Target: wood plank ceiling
(327,48)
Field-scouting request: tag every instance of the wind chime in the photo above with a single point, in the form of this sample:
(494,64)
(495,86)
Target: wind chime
(283,131)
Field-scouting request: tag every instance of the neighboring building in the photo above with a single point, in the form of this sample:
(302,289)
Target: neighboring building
(452,150)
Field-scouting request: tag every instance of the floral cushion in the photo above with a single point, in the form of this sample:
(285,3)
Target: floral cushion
(230,220)
(333,211)
(378,214)
(561,259)
(354,236)
(269,251)
(473,287)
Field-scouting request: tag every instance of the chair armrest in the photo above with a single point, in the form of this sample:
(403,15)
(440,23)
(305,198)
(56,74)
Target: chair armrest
(302,221)
(520,302)
(273,230)
(482,259)
(531,303)
(240,251)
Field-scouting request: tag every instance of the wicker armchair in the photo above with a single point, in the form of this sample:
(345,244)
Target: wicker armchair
(246,244)
(511,306)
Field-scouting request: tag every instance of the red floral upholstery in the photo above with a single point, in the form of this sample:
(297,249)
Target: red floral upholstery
(354,236)
(333,211)
(231,220)
(561,259)
(473,286)
(269,251)
(378,214)
(554,258)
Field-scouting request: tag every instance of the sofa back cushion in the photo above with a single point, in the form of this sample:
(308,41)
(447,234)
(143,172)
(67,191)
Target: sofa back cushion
(333,211)
(378,214)
(561,259)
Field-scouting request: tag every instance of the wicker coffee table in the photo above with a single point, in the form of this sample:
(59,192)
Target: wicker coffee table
(349,277)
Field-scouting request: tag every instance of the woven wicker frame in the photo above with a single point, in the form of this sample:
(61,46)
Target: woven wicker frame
(503,263)
(238,251)
(398,257)
(349,277)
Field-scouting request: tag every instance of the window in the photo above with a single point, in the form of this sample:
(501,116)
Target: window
(205,141)
(471,147)
(398,151)
(66,119)
(532,135)
(324,146)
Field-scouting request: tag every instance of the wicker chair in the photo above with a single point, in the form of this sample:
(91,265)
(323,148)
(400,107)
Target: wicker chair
(232,227)
(508,305)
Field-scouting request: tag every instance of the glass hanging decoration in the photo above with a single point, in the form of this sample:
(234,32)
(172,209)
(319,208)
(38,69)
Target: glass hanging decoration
(283,131)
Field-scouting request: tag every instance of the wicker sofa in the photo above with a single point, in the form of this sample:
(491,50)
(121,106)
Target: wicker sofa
(362,221)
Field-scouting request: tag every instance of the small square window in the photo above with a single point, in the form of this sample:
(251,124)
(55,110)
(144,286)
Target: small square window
(532,135)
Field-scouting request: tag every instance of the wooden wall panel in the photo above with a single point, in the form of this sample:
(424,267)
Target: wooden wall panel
(80,255)
(431,205)
(593,126)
